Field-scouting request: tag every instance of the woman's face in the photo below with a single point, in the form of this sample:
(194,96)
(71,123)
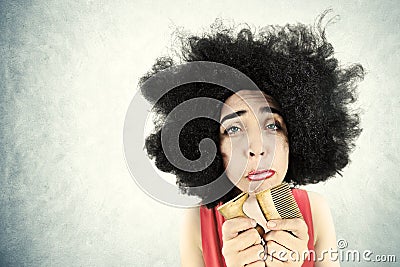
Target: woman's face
(253,141)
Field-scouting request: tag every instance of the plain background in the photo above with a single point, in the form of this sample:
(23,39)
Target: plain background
(68,71)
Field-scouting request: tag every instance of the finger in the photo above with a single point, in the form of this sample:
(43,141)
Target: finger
(296,226)
(274,262)
(246,239)
(243,241)
(232,227)
(281,237)
(278,251)
(251,255)
(256,264)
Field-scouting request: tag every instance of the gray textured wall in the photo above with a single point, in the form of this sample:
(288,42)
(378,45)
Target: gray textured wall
(68,72)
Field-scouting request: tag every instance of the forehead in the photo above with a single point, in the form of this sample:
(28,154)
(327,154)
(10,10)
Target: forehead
(246,99)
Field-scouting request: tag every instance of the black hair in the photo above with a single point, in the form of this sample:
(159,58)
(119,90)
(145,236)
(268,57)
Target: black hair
(295,65)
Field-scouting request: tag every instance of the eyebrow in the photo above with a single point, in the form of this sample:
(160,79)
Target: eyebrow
(241,112)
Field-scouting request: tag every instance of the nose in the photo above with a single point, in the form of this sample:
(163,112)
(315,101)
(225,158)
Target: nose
(257,146)
(252,154)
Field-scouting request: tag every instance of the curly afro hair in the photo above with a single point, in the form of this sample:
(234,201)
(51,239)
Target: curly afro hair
(295,65)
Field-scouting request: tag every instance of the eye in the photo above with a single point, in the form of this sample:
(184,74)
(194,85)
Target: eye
(232,130)
(274,126)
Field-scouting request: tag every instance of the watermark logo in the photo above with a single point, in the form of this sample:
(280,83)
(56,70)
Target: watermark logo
(342,244)
(341,253)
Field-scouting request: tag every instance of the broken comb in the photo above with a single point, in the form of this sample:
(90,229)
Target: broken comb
(275,203)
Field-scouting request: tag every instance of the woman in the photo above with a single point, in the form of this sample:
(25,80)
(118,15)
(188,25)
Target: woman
(298,129)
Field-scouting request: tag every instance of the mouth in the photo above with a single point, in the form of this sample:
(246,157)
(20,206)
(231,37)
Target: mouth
(259,175)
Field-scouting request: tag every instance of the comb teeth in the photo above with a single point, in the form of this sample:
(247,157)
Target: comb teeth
(278,203)
(284,202)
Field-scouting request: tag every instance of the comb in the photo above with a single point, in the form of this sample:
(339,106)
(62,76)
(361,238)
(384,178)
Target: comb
(275,203)
(234,208)
(278,203)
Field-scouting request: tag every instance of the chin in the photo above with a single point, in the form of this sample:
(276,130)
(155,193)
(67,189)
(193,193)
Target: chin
(258,186)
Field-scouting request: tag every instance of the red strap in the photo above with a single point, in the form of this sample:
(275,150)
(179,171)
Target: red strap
(211,231)
(303,202)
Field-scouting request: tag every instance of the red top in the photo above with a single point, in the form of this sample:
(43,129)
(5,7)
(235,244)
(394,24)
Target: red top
(211,231)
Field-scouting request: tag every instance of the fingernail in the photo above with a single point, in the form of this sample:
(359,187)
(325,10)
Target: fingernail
(271,224)
(253,222)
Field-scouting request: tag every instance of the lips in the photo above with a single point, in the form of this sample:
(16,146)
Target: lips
(260,175)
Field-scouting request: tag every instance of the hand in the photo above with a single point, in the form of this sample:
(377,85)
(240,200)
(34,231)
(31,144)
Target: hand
(241,243)
(287,242)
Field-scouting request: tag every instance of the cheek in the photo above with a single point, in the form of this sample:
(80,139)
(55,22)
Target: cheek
(282,152)
(285,146)
(232,151)
(234,162)
(226,151)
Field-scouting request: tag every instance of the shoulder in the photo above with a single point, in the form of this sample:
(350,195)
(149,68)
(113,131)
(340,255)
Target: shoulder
(190,238)
(324,231)
(319,206)
(317,201)
(190,226)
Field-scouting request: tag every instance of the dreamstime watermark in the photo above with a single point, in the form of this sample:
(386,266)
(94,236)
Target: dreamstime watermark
(342,254)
